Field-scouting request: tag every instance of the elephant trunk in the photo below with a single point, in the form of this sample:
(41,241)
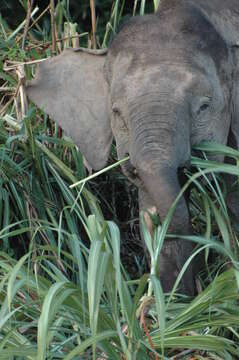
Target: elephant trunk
(163,189)
(160,145)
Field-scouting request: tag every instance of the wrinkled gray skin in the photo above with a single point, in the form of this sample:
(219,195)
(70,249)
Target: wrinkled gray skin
(168,81)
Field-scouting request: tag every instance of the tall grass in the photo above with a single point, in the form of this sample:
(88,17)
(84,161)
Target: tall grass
(64,292)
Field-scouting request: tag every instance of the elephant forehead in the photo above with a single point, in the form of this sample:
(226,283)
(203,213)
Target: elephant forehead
(117,70)
(165,79)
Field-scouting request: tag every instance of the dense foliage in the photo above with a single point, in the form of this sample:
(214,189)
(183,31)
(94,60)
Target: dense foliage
(68,288)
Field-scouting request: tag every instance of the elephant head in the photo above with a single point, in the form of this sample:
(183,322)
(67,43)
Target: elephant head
(168,81)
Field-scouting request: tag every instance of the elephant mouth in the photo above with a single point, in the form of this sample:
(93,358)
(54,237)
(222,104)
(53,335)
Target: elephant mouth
(131,172)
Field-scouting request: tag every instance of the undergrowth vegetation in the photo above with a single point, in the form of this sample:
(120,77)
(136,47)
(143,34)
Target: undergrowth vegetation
(73,279)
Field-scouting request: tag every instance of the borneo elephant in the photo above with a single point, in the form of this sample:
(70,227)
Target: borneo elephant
(168,81)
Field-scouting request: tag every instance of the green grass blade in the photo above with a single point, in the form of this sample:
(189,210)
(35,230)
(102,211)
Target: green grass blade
(97,266)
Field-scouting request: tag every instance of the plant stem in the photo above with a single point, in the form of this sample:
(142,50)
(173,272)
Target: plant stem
(53,26)
(93,22)
(99,172)
(14,33)
(28,18)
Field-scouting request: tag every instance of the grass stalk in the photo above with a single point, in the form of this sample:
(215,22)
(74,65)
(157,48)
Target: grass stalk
(156,5)
(53,26)
(21,26)
(107,168)
(28,18)
(142,7)
(93,23)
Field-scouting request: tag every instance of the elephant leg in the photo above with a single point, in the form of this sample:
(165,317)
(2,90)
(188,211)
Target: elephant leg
(232,199)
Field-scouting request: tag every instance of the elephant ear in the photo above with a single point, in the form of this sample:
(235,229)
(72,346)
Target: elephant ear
(235,99)
(223,15)
(72,90)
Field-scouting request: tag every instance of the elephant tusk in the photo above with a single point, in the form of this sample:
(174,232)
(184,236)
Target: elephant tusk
(147,218)
(135,172)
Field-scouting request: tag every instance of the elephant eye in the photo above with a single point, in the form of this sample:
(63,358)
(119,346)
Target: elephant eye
(116,110)
(119,118)
(204,106)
